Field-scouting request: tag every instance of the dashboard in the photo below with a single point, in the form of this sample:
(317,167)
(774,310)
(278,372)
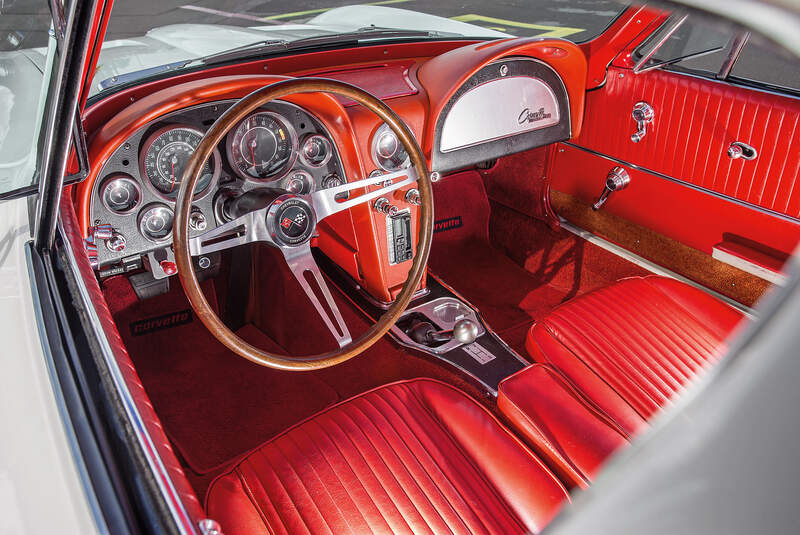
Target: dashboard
(280,146)
(466,104)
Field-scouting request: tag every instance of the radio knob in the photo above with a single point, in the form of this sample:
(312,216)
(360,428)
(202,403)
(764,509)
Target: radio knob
(383,206)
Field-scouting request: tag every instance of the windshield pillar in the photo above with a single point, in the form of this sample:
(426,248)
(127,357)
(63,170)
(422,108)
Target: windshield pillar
(61,107)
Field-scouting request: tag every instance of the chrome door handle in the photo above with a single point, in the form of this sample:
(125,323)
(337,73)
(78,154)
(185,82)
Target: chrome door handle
(617,179)
(742,150)
(643,113)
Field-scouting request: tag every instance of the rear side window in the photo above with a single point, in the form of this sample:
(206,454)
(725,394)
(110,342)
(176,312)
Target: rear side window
(760,63)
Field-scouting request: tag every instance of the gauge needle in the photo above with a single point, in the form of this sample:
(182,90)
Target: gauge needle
(253,151)
(172,173)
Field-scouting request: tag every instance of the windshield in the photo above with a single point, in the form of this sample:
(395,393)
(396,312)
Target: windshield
(24,58)
(148,37)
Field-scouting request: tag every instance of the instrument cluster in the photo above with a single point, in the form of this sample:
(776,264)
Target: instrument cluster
(280,145)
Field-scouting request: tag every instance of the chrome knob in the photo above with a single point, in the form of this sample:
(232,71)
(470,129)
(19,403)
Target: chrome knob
(643,113)
(383,206)
(617,179)
(197,221)
(413,197)
(116,243)
(465,331)
(742,150)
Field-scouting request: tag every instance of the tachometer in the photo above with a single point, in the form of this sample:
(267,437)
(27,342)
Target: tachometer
(262,146)
(165,155)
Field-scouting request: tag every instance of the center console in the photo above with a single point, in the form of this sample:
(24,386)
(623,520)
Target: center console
(441,324)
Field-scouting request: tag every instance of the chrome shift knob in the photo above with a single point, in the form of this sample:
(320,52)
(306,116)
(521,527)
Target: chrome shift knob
(465,331)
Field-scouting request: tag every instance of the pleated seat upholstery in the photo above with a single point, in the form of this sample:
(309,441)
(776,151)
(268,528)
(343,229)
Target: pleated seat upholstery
(632,346)
(416,456)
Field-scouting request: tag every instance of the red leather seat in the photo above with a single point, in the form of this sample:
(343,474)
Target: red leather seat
(410,457)
(632,346)
(565,430)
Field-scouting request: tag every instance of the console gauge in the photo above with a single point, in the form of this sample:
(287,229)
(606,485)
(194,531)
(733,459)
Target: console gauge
(155,222)
(262,146)
(316,151)
(120,194)
(300,183)
(165,155)
(387,150)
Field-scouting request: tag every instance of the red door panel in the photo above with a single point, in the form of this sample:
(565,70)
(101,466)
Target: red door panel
(694,218)
(694,193)
(696,120)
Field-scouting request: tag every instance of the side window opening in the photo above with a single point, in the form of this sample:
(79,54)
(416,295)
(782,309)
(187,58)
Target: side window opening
(699,47)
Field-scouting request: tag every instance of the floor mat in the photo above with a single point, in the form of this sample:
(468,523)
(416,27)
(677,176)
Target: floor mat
(213,404)
(514,268)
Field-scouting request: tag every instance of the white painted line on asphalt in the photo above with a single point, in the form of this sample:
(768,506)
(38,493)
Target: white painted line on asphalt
(227,14)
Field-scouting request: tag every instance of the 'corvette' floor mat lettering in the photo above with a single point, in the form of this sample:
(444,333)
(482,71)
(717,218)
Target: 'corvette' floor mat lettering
(441,225)
(149,325)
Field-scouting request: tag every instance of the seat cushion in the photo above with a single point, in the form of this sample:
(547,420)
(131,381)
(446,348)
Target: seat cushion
(632,346)
(411,457)
(569,433)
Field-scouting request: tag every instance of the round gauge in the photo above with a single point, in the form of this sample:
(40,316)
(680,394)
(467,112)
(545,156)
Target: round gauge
(120,194)
(166,153)
(300,183)
(316,151)
(387,151)
(262,146)
(155,222)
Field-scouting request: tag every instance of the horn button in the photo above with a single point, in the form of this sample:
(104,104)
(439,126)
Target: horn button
(290,221)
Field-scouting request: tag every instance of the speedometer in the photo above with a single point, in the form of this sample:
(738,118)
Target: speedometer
(165,155)
(262,146)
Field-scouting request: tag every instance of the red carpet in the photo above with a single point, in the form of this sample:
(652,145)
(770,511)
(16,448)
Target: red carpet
(525,268)
(216,406)
(213,404)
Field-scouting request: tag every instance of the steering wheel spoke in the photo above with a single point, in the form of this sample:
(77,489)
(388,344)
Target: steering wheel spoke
(302,264)
(248,228)
(326,203)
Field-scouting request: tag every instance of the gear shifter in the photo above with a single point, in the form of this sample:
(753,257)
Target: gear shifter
(464,331)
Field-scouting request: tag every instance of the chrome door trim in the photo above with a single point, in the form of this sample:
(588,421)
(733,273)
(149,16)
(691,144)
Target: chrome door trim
(168,491)
(689,185)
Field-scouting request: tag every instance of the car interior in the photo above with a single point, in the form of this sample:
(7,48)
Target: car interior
(430,286)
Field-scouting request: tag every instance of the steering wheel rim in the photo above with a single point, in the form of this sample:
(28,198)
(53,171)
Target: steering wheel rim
(183,204)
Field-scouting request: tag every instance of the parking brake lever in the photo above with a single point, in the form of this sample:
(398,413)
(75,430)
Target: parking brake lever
(617,179)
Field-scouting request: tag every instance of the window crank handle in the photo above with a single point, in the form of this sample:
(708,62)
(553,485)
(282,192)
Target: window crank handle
(617,179)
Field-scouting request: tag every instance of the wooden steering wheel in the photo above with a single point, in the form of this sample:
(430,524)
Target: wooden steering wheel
(288,222)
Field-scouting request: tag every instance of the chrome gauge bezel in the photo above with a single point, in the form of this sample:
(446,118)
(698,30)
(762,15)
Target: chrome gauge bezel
(288,166)
(140,220)
(378,160)
(328,152)
(125,178)
(216,163)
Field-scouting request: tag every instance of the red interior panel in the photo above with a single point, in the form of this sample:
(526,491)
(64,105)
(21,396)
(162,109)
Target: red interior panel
(687,215)
(385,81)
(696,120)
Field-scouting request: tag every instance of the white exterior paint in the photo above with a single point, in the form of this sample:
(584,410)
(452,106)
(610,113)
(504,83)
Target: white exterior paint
(40,488)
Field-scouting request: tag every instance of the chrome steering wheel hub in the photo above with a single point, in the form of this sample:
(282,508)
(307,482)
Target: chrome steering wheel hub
(291,220)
